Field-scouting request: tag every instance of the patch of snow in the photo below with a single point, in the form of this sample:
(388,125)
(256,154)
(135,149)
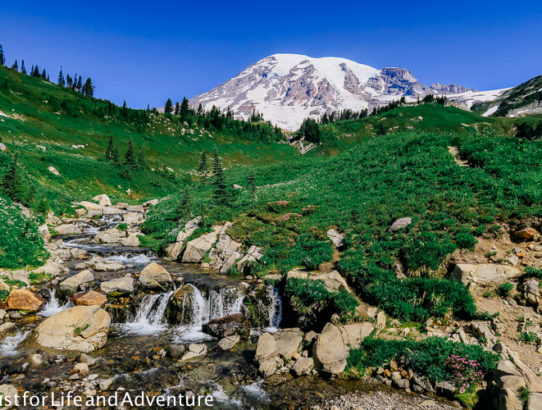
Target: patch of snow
(490,111)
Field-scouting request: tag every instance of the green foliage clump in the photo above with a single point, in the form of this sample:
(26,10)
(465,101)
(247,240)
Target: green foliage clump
(505,289)
(122,226)
(428,356)
(4,294)
(533,272)
(20,241)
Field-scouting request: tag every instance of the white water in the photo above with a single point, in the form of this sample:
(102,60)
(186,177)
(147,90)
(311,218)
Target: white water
(216,305)
(256,391)
(53,306)
(129,259)
(275,310)
(9,345)
(150,316)
(221,396)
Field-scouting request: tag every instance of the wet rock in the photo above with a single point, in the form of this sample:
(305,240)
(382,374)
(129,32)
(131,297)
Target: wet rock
(22,299)
(303,366)
(85,358)
(71,285)
(336,237)
(6,327)
(81,369)
(227,326)
(288,342)
(526,234)
(108,266)
(102,199)
(106,383)
(399,224)
(179,309)
(155,276)
(195,350)
(90,298)
(485,273)
(80,328)
(132,240)
(228,342)
(132,218)
(175,351)
(198,247)
(123,285)
(111,236)
(36,360)
(270,365)
(330,351)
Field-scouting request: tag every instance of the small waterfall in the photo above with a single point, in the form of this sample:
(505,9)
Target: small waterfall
(131,259)
(275,309)
(9,345)
(200,310)
(150,316)
(53,306)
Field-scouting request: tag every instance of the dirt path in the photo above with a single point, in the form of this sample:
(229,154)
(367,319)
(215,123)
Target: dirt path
(454,152)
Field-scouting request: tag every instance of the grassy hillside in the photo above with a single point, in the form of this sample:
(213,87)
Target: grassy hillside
(48,125)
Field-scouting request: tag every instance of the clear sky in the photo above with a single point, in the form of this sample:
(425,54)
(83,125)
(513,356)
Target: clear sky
(147,51)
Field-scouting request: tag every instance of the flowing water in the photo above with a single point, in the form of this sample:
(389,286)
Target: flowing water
(150,316)
(8,347)
(53,306)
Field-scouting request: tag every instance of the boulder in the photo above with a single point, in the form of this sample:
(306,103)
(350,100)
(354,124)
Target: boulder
(133,218)
(535,401)
(333,280)
(254,254)
(102,199)
(108,266)
(226,326)
(53,171)
(526,234)
(155,276)
(8,391)
(176,351)
(197,248)
(484,273)
(152,202)
(68,229)
(399,224)
(22,299)
(354,333)
(123,285)
(112,235)
(180,306)
(336,237)
(330,351)
(6,327)
(303,366)
(229,342)
(174,250)
(132,240)
(266,348)
(90,298)
(81,369)
(380,320)
(195,350)
(80,328)
(71,285)
(52,268)
(92,208)
(289,342)
(225,253)
(268,366)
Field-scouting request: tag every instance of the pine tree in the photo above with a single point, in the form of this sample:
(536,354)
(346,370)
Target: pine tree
(115,156)
(2,57)
(141,160)
(177,108)
(183,206)
(61,82)
(15,66)
(129,158)
(79,85)
(221,196)
(251,184)
(12,184)
(202,169)
(168,107)
(185,109)
(69,81)
(200,110)
(88,88)
(23,68)
(43,206)
(109,150)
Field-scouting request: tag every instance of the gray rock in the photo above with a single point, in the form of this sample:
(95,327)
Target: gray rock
(71,285)
(175,351)
(400,223)
(228,342)
(303,366)
(485,273)
(336,237)
(124,284)
(330,350)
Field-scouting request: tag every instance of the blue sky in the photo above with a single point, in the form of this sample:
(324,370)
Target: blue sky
(145,52)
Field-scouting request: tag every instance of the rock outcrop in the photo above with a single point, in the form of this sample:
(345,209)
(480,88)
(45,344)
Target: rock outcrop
(197,248)
(175,249)
(123,285)
(72,284)
(484,273)
(155,276)
(22,299)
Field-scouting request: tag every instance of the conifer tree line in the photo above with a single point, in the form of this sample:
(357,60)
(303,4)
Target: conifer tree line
(74,82)
(132,159)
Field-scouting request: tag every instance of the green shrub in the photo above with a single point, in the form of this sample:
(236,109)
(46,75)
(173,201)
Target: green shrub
(312,252)
(523,394)
(4,294)
(122,226)
(427,249)
(345,301)
(505,289)
(428,357)
(533,272)
(528,337)
(465,239)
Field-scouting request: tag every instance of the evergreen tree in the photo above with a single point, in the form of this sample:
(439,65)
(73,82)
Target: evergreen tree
(185,109)
(69,81)
(109,150)
(177,108)
(251,184)
(23,68)
(61,82)
(203,163)
(88,88)
(183,206)
(2,57)
(310,131)
(129,158)
(141,159)
(12,184)
(15,66)
(44,74)
(79,85)
(115,156)
(221,196)
(43,206)
(168,107)
(200,110)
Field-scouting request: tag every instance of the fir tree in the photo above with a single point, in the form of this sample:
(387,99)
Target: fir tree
(115,156)
(12,184)
(221,196)
(183,206)
(61,82)
(43,206)
(2,57)
(129,158)
(202,169)
(168,107)
(109,150)
(23,68)
(200,110)
(141,159)
(185,109)
(15,66)
(88,88)
(79,85)
(251,184)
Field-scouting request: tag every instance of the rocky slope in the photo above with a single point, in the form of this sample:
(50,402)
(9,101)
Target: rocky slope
(286,88)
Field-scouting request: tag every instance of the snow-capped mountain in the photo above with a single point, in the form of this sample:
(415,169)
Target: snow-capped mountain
(287,88)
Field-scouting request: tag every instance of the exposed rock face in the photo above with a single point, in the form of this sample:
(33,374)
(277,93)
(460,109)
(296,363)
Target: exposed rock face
(179,309)
(198,247)
(254,254)
(68,229)
(71,285)
(227,326)
(288,342)
(303,366)
(155,276)
(330,350)
(133,218)
(287,88)
(90,298)
(102,199)
(80,328)
(92,208)
(124,284)
(111,236)
(484,273)
(337,238)
(332,280)
(174,250)
(272,350)
(21,299)
(225,253)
